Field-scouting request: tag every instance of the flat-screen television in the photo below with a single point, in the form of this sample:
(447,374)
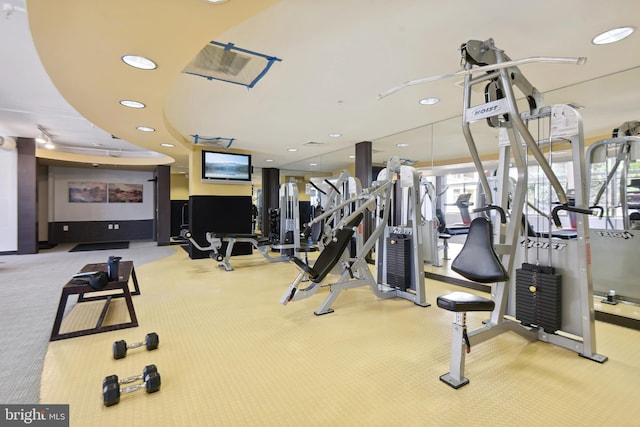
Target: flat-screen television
(226,167)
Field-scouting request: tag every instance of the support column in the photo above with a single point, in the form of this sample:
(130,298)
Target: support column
(270,196)
(162,186)
(364,173)
(27,197)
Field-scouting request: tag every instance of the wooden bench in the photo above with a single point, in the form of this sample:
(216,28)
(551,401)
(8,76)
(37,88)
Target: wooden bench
(126,272)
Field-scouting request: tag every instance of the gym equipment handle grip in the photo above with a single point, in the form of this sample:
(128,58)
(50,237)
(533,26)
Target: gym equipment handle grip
(556,218)
(598,208)
(503,216)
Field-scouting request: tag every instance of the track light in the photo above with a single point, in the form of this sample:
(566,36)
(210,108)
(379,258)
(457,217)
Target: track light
(44,137)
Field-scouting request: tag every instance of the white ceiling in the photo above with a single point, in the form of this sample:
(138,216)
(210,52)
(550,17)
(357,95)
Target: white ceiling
(337,56)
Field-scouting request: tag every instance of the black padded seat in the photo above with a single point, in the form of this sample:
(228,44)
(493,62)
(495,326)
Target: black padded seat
(454,230)
(463,301)
(331,253)
(306,247)
(263,241)
(477,260)
(565,234)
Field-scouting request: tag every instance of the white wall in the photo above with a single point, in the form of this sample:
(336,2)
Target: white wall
(8,200)
(61,210)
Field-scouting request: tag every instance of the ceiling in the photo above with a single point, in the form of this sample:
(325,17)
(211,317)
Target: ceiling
(62,70)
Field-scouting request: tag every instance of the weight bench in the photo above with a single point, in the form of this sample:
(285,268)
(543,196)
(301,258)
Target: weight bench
(260,243)
(324,264)
(445,233)
(476,261)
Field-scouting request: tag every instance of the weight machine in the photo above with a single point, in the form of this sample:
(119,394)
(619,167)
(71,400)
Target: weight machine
(396,246)
(431,225)
(536,306)
(614,237)
(285,239)
(331,192)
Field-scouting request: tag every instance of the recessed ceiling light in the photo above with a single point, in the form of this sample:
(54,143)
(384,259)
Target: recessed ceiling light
(269,160)
(335,135)
(293,150)
(352,156)
(145,129)
(613,35)
(132,104)
(139,62)
(313,164)
(429,101)
(166,144)
(402,145)
(216,1)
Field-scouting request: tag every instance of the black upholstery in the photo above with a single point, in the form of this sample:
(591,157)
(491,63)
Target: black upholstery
(331,253)
(451,231)
(477,260)
(560,234)
(463,301)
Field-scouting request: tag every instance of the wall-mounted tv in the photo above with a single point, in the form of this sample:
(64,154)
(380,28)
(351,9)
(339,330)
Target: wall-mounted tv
(222,167)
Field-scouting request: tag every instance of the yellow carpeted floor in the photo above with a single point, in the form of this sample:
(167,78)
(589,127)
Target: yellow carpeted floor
(231,355)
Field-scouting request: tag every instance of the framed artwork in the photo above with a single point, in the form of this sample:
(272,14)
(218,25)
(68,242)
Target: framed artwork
(125,193)
(87,192)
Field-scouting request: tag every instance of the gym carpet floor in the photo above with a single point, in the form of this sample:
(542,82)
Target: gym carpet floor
(231,355)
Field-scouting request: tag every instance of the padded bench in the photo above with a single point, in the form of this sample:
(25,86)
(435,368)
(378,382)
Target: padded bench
(460,303)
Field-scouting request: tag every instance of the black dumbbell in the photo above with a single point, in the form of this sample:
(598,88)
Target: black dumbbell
(111,390)
(120,348)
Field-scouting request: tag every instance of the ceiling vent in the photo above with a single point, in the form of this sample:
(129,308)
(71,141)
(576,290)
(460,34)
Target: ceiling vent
(228,63)
(215,141)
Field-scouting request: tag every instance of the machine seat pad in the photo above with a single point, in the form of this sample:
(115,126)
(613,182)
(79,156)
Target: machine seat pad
(306,247)
(331,253)
(477,260)
(263,241)
(237,235)
(305,267)
(463,301)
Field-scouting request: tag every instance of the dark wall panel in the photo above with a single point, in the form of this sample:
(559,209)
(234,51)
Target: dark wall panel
(99,231)
(219,214)
(179,216)
(163,204)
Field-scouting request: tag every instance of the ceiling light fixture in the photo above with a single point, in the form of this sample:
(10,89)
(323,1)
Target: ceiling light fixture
(402,145)
(145,129)
(139,62)
(613,35)
(292,150)
(429,101)
(166,144)
(313,164)
(216,1)
(269,160)
(49,145)
(352,156)
(132,104)
(335,135)
(44,136)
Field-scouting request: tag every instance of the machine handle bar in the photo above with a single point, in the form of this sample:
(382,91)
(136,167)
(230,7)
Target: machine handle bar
(556,218)
(503,216)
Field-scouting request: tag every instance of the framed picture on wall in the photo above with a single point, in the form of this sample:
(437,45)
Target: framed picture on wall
(125,193)
(87,192)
